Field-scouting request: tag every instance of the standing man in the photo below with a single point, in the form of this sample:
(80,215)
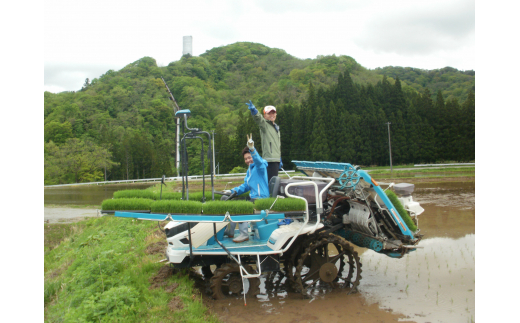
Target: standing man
(270,134)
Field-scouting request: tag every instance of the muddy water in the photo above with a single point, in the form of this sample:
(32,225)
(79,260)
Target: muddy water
(86,194)
(433,284)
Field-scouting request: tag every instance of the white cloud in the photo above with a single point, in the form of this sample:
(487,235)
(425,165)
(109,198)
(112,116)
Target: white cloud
(111,34)
(420,28)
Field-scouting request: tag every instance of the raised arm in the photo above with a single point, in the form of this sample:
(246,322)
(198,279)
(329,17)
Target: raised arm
(257,159)
(257,117)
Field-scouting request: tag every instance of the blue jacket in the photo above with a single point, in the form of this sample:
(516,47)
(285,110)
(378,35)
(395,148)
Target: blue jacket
(255,181)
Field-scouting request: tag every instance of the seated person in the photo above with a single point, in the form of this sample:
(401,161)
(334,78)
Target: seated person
(255,183)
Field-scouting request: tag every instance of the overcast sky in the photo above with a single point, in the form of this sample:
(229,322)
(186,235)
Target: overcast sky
(86,38)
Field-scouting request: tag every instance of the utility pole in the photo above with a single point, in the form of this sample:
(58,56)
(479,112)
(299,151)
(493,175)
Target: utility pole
(177,141)
(213,132)
(389,147)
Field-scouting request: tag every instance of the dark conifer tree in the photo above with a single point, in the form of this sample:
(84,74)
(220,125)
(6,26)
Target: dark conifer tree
(285,121)
(332,123)
(438,122)
(413,135)
(320,144)
(346,138)
(451,128)
(468,120)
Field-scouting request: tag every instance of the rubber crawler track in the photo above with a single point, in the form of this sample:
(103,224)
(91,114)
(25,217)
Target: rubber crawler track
(353,261)
(232,269)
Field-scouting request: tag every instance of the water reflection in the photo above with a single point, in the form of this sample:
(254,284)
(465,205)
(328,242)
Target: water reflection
(434,284)
(86,194)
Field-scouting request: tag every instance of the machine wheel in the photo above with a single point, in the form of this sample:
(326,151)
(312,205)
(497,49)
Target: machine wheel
(317,269)
(294,255)
(227,280)
(292,260)
(206,272)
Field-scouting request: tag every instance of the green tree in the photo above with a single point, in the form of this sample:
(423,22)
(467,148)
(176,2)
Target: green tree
(57,132)
(78,161)
(319,147)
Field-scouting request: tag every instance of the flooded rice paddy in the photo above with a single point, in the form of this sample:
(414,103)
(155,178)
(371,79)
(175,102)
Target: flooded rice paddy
(86,194)
(433,284)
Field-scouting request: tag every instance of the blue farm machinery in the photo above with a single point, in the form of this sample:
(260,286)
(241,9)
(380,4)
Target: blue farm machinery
(313,248)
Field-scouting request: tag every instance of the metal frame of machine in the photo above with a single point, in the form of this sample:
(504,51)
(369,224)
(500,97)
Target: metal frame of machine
(315,249)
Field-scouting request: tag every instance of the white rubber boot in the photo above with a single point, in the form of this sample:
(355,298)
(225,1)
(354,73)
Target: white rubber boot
(244,235)
(230,230)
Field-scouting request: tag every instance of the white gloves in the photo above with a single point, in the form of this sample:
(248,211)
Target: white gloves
(250,142)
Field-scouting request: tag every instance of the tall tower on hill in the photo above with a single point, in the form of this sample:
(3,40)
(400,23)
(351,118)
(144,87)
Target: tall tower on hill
(186,45)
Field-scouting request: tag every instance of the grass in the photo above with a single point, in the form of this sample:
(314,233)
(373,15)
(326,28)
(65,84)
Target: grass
(197,195)
(56,233)
(281,205)
(103,273)
(233,207)
(122,204)
(425,170)
(177,206)
(168,196)
(155,194)
(144,194)
(404,214)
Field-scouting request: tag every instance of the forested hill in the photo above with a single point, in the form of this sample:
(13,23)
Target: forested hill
(329,108)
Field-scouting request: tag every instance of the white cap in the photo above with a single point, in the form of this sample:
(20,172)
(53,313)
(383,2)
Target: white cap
(269,108)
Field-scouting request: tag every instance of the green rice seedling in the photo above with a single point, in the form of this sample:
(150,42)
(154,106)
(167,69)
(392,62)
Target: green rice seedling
(168,196)
(177,207)
(126,204)
(404,214)
(233,207)
(281,205)
(143,194)
(197,196)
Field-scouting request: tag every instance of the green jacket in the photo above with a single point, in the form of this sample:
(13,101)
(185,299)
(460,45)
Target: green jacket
(270,138)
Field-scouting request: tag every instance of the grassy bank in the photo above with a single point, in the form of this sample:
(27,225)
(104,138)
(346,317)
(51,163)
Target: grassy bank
(106,270)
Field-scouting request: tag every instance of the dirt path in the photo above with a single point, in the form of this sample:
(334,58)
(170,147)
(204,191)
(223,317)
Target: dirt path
(66,215)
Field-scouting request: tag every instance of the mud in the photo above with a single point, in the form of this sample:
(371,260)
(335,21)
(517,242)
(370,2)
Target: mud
(433,284)
(160,280)
(293,308)
(156,248)
(176,304)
